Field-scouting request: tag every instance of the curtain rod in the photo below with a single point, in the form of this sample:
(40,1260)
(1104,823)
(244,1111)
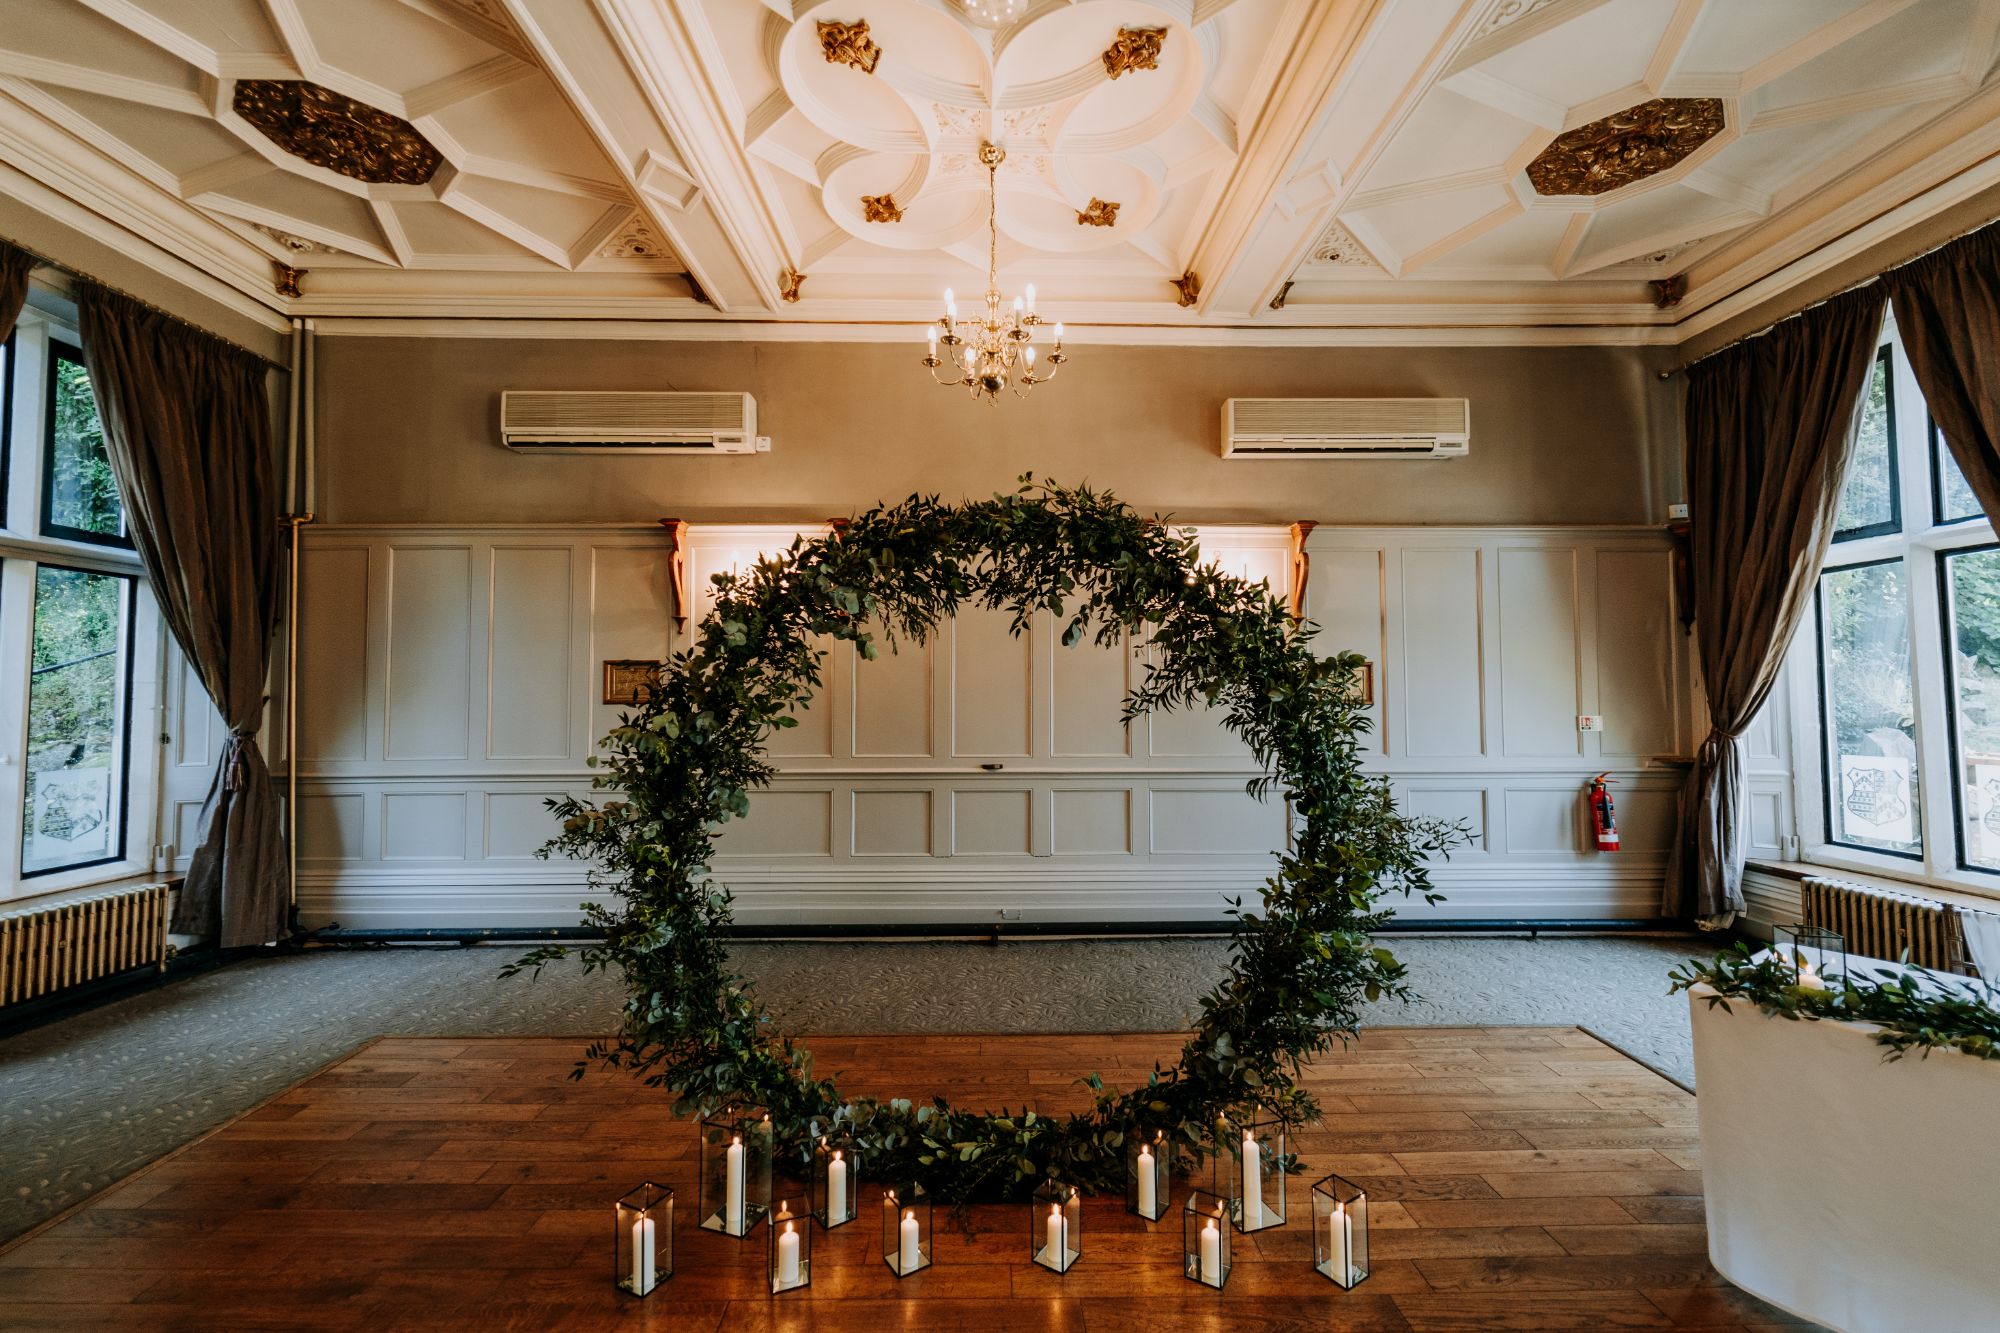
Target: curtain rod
(44,261)
(1672,371)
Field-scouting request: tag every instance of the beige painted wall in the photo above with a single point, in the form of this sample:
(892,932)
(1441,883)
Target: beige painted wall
(408,433)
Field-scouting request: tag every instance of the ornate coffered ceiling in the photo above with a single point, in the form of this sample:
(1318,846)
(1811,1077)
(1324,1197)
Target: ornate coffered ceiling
(1546,169)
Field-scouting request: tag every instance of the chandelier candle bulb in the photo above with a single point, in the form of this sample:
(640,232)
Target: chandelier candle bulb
(1031,300)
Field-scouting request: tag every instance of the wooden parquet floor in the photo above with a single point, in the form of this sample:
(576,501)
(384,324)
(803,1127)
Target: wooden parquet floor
(1519,1179)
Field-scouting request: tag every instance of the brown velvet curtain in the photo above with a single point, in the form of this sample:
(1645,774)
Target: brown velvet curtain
(14,265)
(1948,314)
(1770,430)
(187,424)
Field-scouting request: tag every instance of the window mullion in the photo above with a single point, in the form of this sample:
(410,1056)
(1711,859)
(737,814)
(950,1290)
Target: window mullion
(1935,783)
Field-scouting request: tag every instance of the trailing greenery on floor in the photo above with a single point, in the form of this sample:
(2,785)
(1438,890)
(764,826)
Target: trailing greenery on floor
(1913,1012)
(686,760)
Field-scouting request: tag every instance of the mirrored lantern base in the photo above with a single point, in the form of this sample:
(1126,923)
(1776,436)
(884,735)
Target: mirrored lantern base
(1257,1214)
(1347,1276)
(803,1278)
(1057,1258)
(742,1225)
(903,1263)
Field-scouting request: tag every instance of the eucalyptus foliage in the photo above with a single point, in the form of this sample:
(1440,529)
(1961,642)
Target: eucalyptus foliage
(1911,1010)
(687,759)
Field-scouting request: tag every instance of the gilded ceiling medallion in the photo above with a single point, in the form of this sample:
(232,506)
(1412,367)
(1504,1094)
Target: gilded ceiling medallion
(849,44)
(1101,213)
(1635,143)
(331,130)
(789,281)
(285,278)
(1136,48)
(1669,292)
(880,208)
(1189,287)
(634,240)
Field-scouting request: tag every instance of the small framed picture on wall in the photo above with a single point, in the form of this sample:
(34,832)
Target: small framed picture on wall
(628,680)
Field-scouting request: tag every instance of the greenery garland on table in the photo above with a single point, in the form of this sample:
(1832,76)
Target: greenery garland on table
(685,761)
(1912,1010)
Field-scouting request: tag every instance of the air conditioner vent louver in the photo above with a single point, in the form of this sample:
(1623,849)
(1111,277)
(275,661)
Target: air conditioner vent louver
(545,421)
(1345,427)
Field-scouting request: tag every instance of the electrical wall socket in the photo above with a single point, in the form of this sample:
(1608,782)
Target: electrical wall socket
(1590,721)
(1676,512)
(1010,914)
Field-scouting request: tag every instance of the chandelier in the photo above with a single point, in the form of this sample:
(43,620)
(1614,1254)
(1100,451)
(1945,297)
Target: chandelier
(997,350)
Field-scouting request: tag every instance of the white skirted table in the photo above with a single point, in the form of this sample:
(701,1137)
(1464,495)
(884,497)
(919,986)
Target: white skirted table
(1860,1194)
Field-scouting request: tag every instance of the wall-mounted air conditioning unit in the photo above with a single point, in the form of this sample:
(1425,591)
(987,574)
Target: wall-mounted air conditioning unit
(1345,427)
(546,422)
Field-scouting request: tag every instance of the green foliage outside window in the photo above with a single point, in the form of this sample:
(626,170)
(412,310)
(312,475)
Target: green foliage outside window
(1869,498)
(83,495)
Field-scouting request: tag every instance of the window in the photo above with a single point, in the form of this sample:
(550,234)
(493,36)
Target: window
(79,494)
(1900,678)
(78,686)
(1868,502)
(79,634)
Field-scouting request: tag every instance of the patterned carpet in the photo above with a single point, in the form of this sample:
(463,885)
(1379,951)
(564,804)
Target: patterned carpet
(87,1100)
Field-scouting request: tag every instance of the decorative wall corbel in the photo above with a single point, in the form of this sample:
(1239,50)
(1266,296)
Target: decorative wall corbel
(1301,568)
(677,531)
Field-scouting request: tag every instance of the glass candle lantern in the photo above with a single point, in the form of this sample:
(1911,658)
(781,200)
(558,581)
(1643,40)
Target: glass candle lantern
(906,1230)
(735,1188)
(642,1239)
(790,1248)
(1055,1226)
(1148,1185)
(1811,953)
(835,1200)
(1340,1230)
(1205,1240)
(1250,1171)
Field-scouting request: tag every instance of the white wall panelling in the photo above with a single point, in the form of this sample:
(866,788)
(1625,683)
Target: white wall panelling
(450,683)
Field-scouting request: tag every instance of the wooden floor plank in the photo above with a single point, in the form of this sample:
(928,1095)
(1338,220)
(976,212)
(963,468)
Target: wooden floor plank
(1520,1179)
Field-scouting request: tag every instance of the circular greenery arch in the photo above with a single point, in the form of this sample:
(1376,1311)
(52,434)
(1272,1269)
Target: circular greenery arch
(685,760)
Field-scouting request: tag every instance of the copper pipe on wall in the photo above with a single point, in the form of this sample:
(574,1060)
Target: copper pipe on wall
(299,480)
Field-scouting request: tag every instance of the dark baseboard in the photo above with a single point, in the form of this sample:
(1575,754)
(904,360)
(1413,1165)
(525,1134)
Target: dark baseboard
(335,935)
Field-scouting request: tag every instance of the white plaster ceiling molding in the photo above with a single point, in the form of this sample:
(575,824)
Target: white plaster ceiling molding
(1805,91)
(280,120)
(888,141)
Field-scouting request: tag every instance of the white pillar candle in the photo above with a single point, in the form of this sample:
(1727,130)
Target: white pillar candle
(1809,979)
(733,1189)
(1340,1242)
(642,1256)
(1211,1253)
(909,1254)
(1253,1182)
(788,1256)
(836,1190)
(1053,1248)
(1148,1189)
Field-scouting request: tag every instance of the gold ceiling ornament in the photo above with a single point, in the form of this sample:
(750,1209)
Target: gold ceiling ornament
(285,278)
(789,281)
(1629,146)
(1101,213)
(1278,301)
(1188,285)
(849,44)
(1669,292)
(1136,48)
(996,350)
(332,130)
(880,208)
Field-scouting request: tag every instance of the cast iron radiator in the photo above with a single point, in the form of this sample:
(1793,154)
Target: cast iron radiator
(44,950)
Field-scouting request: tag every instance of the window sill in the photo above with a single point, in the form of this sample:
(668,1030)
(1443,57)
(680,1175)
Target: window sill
(42,899)
(1957,895)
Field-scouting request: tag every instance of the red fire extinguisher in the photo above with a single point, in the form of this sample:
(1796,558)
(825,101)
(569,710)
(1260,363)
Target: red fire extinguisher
(1602,818)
